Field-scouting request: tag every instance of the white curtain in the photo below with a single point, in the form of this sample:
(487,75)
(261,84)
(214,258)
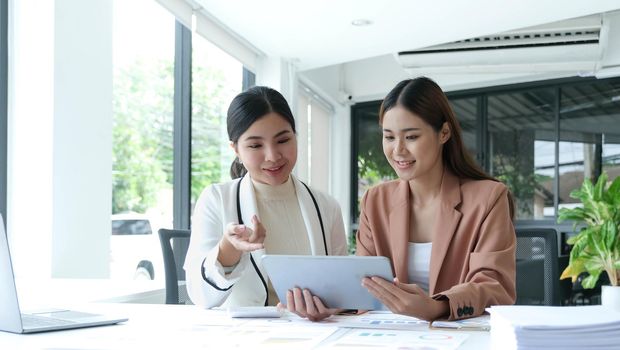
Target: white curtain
(313,135)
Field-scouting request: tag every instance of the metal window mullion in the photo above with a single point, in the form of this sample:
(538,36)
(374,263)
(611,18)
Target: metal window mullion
(354,169)
(482,132)
(182,126)
(4,56)
(248,79)
(556,177)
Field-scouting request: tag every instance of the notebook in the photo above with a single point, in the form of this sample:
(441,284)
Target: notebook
(11,318)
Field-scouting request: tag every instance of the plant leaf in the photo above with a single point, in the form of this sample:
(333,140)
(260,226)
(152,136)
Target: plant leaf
(590,281)
(593,265)
(599,188)
(609,232)
(574,214)
(613,193)
(573,270)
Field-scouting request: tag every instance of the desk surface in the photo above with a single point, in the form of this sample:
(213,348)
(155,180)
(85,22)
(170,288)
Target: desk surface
(153,326)
(37,293)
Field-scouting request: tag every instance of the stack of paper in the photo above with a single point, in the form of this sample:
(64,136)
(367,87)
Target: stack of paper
(554,327)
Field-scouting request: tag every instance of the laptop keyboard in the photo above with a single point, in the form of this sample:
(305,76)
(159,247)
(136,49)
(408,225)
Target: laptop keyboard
(32,321)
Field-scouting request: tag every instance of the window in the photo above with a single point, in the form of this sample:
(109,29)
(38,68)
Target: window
(521,148)
(216,80)
(466,111)
(369,163)
(127,227)
(143,90)
(512,130)
(313,119)
(589,135)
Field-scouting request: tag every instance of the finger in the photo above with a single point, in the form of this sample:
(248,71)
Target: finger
(379,292)
(410,287)
(259,231)
(280,307)
(300,307)
(290,301)
(311,309)
(247,246)
(388,293)
(254,236)
(234,230)
(388,287)
(322,309)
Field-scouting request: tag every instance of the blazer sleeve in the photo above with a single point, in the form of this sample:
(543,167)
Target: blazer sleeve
(364,242)
(491,275)
(208,285)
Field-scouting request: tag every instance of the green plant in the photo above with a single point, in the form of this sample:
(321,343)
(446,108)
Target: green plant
(596,248)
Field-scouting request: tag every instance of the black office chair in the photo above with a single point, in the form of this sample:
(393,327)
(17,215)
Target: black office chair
(173,265)
(539,268)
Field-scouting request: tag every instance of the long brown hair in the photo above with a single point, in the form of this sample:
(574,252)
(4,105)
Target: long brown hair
(424,98)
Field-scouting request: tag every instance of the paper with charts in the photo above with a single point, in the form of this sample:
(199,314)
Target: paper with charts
(396,339)
(373,319)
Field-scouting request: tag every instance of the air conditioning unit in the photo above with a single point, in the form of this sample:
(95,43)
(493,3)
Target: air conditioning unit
(566,46)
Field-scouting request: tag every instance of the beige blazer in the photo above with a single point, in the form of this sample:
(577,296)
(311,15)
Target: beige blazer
(473,254)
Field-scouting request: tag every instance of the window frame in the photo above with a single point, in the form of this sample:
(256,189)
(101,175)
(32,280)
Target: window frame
(482,134)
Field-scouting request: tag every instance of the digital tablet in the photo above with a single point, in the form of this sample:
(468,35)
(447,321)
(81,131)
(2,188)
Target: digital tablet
(337,280)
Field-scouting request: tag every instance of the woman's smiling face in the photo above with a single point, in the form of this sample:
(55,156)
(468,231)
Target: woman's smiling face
(412,147)
(268,149)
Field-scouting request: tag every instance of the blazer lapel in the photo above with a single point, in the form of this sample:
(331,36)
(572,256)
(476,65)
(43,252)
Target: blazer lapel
(399,227)
(247,201)
(445,226)
(311,218)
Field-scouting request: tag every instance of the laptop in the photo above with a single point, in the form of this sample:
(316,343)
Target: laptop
(11,318)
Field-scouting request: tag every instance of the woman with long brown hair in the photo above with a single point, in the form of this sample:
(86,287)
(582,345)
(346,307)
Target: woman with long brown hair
(445,224)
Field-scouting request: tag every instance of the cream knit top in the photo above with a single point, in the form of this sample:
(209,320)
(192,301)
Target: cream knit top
(280,214)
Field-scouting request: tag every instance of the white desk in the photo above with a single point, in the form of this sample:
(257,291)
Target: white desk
(37,293)
(153,326)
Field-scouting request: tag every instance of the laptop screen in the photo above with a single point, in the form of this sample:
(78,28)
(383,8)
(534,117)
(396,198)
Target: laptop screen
(10,319)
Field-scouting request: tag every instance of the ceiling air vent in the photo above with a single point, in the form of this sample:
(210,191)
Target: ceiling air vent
(564,46)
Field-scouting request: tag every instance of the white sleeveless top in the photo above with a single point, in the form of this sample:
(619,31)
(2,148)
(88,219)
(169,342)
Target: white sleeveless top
(419,263)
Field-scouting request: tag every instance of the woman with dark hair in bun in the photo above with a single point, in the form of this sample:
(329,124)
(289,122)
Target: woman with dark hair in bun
(265,209)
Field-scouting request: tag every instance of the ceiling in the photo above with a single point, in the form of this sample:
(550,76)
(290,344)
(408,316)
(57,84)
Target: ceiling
(318,33)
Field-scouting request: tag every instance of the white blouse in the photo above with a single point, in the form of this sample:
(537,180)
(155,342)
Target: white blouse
(419,264)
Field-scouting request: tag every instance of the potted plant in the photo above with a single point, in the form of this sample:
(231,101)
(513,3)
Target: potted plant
(596,247)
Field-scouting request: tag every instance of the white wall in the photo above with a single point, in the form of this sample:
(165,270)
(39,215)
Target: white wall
(82,174)
(60,110)
(30,125)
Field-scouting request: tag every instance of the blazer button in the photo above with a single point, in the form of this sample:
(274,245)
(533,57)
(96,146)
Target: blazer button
(459,312)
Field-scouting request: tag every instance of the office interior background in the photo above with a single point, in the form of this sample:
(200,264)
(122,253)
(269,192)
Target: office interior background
(112,113)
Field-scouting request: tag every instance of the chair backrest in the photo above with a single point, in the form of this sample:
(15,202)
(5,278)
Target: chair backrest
(172,263)
(538,267)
